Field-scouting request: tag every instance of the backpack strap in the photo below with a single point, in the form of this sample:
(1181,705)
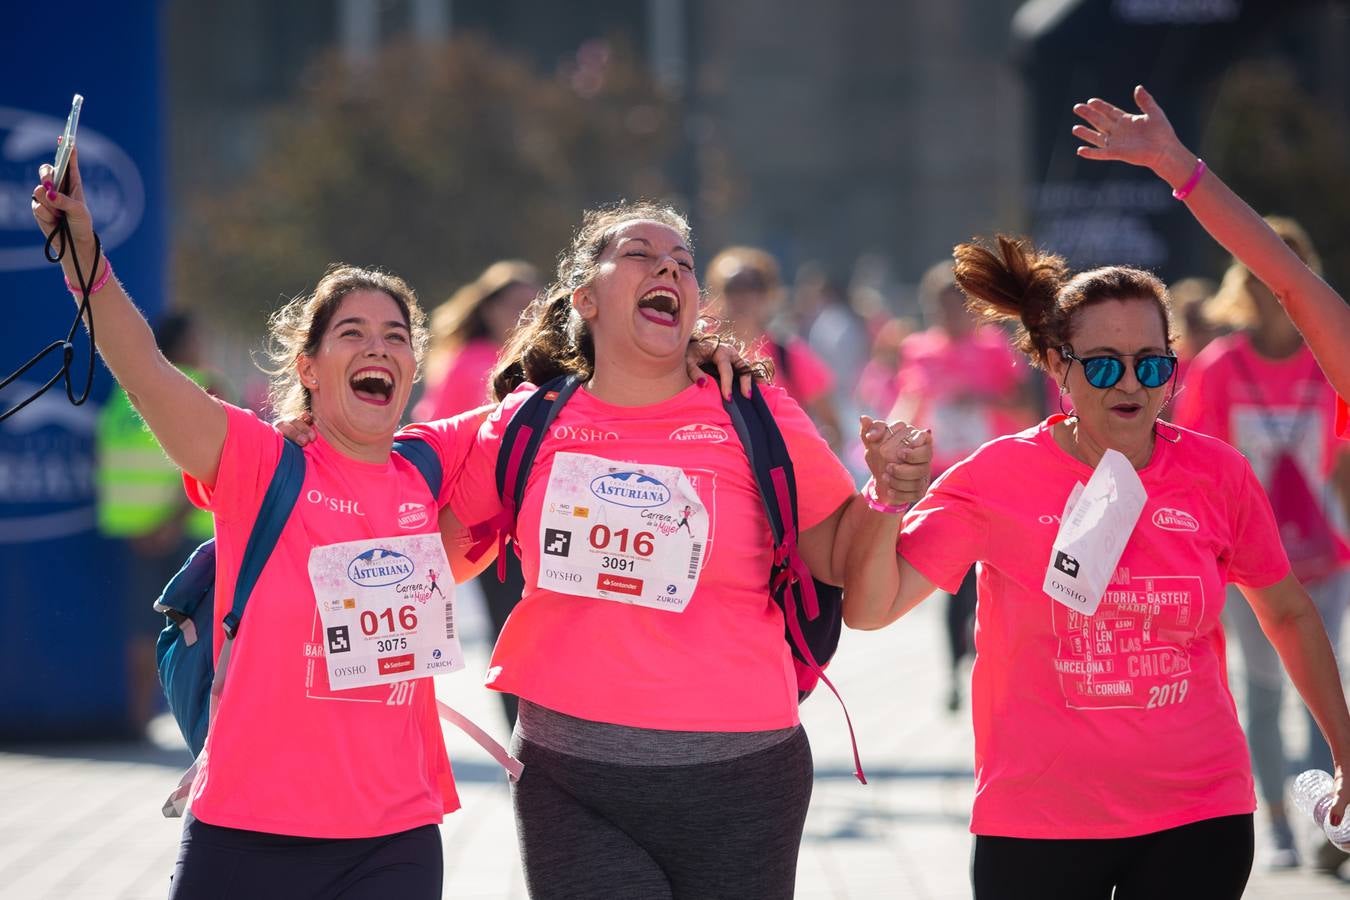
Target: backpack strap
(418,452)
(277,503)
(524,433)
(790,583)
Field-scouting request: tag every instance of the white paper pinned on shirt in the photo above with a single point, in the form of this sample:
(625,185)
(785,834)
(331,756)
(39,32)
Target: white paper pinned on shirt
(1097,524)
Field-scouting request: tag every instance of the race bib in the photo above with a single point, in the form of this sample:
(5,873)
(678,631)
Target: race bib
(388,610)
(1097,524)
(621,531)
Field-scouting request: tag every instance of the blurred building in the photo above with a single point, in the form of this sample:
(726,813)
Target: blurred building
(818,130)
(821,131)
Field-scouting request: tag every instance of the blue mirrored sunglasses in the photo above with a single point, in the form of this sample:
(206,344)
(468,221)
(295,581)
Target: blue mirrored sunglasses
(1152,369)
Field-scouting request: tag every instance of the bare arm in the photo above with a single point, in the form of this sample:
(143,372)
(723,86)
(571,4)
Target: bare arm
(455,537)
(1291,622)
(188,423)
(1148,140)
(879,585)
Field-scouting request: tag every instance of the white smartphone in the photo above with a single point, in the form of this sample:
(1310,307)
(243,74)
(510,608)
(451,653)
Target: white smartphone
(67,145)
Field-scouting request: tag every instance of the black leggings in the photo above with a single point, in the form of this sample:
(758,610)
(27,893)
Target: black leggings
(1210,859)
(728,829)
(216,863)
(960,613)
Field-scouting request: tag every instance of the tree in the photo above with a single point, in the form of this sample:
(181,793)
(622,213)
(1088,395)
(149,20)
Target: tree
(1284,152)
(431,163)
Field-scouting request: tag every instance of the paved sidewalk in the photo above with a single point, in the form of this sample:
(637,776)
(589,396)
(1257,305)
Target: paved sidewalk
(82,821)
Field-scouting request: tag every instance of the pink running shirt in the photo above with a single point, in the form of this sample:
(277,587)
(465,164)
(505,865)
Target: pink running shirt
(959,386)
(1262,406)
(1121,723)
(286,755)
(722,664)
(805,375)
(463,387)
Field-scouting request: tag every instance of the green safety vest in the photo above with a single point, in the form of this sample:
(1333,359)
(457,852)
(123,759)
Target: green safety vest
(139,487)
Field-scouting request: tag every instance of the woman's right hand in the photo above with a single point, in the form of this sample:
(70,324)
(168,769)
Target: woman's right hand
(50,206)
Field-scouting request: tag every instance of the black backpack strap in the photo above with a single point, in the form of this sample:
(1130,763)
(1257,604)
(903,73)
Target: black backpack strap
(277,503)
(418,452)
(790,583)
(525,431)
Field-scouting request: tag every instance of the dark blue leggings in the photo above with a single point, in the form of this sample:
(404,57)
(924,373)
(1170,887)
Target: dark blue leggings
(216,863)
(1211,858)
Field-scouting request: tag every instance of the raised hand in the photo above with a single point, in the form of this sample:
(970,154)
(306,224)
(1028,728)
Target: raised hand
(1143,139)
(49,205)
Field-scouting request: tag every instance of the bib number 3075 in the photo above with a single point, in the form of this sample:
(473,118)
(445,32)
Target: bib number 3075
(388,611)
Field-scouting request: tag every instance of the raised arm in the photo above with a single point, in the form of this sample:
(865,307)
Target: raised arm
(188,423)
(1148,140)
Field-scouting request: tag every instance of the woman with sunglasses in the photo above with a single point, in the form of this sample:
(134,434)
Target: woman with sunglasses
(1108,753)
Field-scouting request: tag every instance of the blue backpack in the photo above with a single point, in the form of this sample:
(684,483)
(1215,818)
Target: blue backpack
(183,652)
(813,611)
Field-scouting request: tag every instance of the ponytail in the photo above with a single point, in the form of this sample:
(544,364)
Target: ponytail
(1035,289)
(1018,283)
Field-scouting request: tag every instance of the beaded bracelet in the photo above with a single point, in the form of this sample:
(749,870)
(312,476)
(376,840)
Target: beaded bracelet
(869,492)
(97,285)
(1184,191)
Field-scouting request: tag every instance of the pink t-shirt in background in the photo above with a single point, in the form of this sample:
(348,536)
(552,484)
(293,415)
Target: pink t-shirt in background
(463,387)
(958,385)
(722,664)
(287,755)
(1263,406)
(1121,723)
(805,376)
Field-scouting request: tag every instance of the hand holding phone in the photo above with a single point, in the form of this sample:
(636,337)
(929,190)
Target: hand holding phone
(67,145)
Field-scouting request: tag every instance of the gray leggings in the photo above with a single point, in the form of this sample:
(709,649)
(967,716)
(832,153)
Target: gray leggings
(727,829)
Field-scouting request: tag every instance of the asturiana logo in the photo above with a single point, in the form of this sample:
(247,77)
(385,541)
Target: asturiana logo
(1171,519)
(413,515)
(699,431)
(379,567)
(632,489)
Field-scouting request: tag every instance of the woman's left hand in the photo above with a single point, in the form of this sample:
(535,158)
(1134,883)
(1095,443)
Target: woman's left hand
(731,366)
(1146,139)
(900,458)
(1341,791)
(299,430)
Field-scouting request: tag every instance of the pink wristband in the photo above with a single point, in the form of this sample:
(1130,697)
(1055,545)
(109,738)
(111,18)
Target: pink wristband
(97,285)
(1184,191)
(869,492)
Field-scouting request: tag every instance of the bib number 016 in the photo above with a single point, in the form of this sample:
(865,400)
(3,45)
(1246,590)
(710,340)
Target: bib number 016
(601,537)
(371,620)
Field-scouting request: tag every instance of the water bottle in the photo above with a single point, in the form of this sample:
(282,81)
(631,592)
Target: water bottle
(1313,797)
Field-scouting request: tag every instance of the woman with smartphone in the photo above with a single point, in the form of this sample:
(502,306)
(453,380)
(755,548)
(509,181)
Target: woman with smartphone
(363,820)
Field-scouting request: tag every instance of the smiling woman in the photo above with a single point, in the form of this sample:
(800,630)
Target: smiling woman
(1117,763)
(348,355)
(303,693)
(658,720)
